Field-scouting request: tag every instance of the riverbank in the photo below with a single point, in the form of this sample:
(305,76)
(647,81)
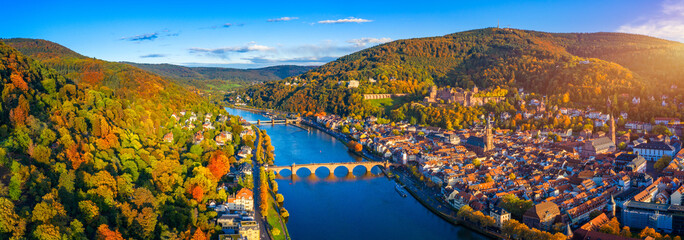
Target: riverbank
(436,206)
(271,228)
(419,192)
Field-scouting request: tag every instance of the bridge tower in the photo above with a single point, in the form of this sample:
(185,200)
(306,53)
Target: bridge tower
(272,121)
(258,121)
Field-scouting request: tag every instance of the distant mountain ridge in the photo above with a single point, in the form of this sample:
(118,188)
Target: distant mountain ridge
(125,80)
(228,74)
(93,71)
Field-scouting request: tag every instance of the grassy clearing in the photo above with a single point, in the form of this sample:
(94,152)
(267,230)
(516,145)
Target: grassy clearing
(382,103)
(273,219)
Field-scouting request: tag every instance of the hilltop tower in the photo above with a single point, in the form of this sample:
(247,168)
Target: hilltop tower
(489,138)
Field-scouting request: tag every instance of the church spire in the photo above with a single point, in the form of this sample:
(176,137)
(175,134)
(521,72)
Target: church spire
(489,139)
(612,129)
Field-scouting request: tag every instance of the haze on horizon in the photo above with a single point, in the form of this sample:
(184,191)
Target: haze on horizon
(247,35)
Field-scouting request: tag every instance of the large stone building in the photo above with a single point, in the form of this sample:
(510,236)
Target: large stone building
(458,95)
(652,151)
(483,144)
(597,146)
(542,216)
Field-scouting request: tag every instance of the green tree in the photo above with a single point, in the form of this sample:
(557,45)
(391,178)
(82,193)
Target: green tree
(661,130)
(662,163)
(511,176)
(477,162)
(594,214)
(279,198)
(516,206)
(89,210)
(47,232)
(626,232)
(611,227)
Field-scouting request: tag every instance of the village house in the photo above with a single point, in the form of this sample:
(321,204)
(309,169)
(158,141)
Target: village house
(242,201)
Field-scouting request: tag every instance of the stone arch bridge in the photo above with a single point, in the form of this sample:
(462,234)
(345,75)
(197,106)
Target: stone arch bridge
(312,167)
(274,121)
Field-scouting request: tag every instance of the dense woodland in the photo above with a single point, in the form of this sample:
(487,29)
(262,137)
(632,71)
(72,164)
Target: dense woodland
(584,69)
(82,154)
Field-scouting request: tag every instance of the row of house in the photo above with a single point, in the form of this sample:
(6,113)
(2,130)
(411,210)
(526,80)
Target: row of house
(567,180)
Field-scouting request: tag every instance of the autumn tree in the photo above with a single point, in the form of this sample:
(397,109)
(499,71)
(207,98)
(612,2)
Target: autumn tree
(10,221)
(104,233)
(516,206)
(626,232)
(662,163)
(611,227)
(219,164)
(199,235)
(47,232)
(89,210)
(649,232)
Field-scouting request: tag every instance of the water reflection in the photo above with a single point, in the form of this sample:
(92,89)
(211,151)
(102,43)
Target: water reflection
(323,175)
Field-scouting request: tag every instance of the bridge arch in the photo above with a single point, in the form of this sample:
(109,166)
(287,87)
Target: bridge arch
(315,169)
(332,167)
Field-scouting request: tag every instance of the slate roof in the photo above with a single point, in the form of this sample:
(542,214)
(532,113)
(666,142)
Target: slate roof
(655,146)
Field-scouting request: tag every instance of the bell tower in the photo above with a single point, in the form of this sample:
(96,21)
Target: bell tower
(489,139)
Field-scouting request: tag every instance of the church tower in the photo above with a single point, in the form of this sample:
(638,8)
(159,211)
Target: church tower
(611,120)
(489,138)
(611,206)
(612,129)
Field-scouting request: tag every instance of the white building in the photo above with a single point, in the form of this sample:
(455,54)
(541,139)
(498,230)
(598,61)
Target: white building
(652,151)
(243,201)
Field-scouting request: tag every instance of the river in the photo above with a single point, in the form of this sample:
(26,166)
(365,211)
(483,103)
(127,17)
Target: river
(361,205)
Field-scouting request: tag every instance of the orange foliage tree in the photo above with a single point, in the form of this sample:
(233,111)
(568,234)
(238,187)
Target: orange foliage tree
(219,164)
(104,233)
(74,156)
(199,235)
(197,193)
(18,82)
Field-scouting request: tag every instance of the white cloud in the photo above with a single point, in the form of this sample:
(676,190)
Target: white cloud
(362,42)
(668,25)
(283,19)
(345,20)
(226,51)
(142,37)
(302,54)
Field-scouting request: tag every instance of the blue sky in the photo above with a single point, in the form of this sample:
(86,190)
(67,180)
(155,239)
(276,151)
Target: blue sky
(250,34)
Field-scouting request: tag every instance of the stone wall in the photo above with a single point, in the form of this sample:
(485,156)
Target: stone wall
(382,96)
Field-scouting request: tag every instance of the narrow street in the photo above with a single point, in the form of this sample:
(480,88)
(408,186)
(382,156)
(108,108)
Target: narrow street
(263,225)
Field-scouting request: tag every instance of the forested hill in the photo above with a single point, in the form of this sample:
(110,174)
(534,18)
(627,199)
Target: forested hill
(589,67)
(659,62)
(217,73)
(125,80)
(80,162)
